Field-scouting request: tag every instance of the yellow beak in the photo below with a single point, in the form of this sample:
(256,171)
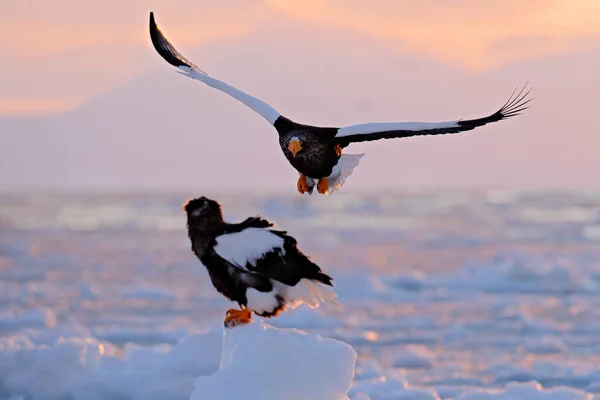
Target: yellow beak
(294,147)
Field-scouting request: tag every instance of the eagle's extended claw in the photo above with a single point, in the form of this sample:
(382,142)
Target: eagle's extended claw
(323,185)
(303,186)
(235,317)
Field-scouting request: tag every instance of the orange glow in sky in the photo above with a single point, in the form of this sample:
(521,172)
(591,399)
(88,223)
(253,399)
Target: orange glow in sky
(466,33)
(469,34)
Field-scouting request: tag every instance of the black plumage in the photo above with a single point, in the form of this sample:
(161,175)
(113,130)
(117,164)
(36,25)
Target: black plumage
(251,256)
(321,150)
(316,152)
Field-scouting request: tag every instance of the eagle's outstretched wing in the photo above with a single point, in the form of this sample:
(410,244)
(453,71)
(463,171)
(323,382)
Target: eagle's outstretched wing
(388,130)
(189,69)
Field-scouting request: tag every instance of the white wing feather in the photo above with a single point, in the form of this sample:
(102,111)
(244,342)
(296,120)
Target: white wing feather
(375,127)
(247,246)
(266,111)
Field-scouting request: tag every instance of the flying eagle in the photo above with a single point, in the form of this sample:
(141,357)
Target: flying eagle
(316,152)
(259,268)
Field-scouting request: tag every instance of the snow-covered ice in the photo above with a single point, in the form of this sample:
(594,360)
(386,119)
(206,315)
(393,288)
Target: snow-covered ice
(267,363)
(527,390)
(85,368)
(254,361)
(454,295)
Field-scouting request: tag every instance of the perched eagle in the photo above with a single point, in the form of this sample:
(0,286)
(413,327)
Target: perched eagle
(259,268)
(316,152)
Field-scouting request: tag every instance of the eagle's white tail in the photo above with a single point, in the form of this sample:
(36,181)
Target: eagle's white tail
(321,293)
(309,292)
(342,171)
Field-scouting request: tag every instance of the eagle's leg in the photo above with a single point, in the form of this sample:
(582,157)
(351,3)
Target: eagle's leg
(323,185)
(303,184)
(235,317)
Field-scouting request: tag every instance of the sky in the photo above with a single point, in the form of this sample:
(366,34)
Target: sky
(85,102)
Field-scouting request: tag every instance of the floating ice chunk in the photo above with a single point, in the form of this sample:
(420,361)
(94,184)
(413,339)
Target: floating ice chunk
(593,387)
(360,285)
(389,388)
(449,391)
(367,370)
(528,390)
(88,291)
(52,372)
(413,281)
(543,370)
(521,275)
(507,372)
(414,356)
(15,343)
(545,345)
(36,318)
(85,368)
(67,330)
(267,363)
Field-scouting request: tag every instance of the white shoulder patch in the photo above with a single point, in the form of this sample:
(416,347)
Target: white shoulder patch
(247,246)
(376,127)
(266,111)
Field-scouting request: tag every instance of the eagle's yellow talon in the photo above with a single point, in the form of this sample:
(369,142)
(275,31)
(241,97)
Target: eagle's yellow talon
(323,185)
(338,150)
(303,184)
(235,317)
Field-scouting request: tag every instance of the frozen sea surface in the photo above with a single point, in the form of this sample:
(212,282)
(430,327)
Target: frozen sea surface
(451,295)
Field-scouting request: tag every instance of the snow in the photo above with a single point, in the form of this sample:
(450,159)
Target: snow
(36,318)
(367,370)
(453,295)
(264,362)
(414,356)
(530,391)
(267,363)
(90,369)
(545,345)
(248,246)
(389,388)
(529,274)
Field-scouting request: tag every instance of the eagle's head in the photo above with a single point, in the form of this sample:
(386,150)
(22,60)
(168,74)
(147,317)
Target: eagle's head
(203,213)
